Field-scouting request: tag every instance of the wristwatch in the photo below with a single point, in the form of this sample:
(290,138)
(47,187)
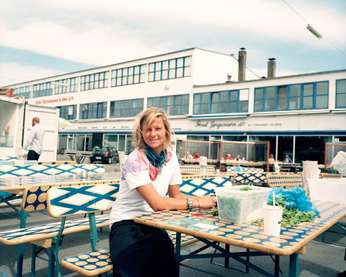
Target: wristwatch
(189,204)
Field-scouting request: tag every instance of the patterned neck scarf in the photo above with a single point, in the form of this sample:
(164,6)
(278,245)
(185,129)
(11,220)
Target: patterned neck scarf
(155,160)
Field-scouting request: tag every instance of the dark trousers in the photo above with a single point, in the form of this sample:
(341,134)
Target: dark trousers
(32,156)
(141,251)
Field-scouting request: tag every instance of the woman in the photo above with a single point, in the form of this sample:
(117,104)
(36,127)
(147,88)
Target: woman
(149,173)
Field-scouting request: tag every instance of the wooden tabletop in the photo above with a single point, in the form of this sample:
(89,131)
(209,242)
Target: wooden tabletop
(18,183)
(247,235)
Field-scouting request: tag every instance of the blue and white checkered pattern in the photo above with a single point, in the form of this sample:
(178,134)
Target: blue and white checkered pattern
(48,169)
(203,186)
(63,201)
(255,178)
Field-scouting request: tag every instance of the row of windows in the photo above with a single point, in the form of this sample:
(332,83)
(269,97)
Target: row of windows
(126,108)
(170,69)
(65,85)
(276,98)
(341,93)
(128,75)
(68,112)
(172,105)
(219,102)
(162,70)
(93,81)
(292,97)
(42,89)
(23,91)
(93,110)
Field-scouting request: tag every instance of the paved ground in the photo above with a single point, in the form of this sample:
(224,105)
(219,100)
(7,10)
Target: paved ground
(321,259)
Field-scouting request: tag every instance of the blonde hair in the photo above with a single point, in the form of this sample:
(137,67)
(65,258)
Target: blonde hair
(146,118)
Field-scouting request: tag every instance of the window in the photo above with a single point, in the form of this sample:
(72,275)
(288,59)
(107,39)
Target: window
(93,110)
(219,102)
(94,81)
(340,94)
(23,92)
(170,69)
(128,75)
(68,112)
(126,108)
(172,105)
(65,85)
(292,97)
(42,89)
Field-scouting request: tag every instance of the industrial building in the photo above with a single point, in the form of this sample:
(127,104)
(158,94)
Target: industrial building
(208,95)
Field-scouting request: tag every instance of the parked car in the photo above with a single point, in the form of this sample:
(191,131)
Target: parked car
(106,155)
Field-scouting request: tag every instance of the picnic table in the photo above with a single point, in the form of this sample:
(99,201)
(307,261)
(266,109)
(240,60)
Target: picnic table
(16,184)
(211,231)
(35,202)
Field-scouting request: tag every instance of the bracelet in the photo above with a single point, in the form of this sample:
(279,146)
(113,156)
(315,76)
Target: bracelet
(189,204)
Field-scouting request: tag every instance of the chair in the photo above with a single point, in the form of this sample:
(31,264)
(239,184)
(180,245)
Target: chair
(64,202)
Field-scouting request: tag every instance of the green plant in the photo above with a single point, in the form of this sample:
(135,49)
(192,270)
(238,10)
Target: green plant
(247,188)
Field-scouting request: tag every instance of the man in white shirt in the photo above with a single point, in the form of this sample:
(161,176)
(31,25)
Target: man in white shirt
(34,141)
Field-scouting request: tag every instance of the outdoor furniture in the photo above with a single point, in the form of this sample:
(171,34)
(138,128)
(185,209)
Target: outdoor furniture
(284,179)
(210,230)
(41,169)
(196,169)
(34,199)
(257,178)
(203,185)
(89,201)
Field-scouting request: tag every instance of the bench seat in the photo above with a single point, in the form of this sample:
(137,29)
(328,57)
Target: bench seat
(89,263)
(98,262)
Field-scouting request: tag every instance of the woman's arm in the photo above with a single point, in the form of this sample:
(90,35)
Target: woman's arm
(176,201)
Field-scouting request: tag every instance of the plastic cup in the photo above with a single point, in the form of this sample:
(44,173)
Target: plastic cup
(272,220)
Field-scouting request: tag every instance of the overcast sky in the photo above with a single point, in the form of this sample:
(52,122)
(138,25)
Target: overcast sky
(40,38)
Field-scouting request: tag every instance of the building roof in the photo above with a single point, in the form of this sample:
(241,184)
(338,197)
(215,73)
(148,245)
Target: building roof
(275,78)
(114,64)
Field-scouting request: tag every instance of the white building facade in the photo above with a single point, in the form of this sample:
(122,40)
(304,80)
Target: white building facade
(204,99)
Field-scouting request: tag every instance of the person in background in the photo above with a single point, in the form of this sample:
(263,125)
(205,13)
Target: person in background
(271,159)
(150,172)
(34,140)
(196,155)
(228,157)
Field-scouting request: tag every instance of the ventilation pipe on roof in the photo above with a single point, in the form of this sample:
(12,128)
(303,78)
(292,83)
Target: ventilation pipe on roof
(271,68)
(241,64)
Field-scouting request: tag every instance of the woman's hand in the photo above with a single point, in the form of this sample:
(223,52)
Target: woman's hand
(206,202)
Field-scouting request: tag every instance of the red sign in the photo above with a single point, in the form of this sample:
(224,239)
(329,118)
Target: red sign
(54,100)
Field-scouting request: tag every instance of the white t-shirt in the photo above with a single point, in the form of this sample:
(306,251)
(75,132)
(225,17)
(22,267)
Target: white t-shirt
(35,139)
(135,173)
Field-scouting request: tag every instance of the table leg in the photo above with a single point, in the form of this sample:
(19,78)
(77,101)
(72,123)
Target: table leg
(21,248)
(277,266)
(247,269)
(178,246)
(294,265)
(227,257)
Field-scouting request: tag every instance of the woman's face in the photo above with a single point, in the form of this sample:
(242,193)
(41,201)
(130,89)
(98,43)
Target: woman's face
(154,135)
